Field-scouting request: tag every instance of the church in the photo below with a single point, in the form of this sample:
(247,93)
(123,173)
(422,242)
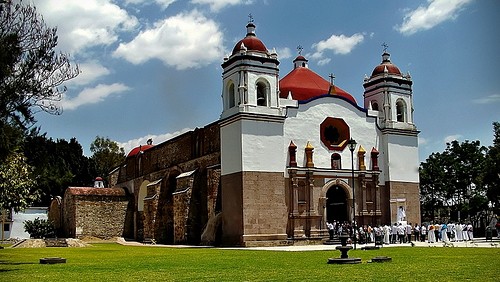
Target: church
(288,154)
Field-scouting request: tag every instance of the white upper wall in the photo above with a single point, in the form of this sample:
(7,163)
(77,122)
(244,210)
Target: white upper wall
(402,153)
(303,125)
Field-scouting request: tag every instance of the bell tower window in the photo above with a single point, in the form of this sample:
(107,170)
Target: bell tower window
(401,111)
(375,106)
(261,94)
(231,95)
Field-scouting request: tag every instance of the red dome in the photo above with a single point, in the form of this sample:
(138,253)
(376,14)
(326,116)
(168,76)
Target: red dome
(306,84)
(251,42)
(386,64)
(139,149)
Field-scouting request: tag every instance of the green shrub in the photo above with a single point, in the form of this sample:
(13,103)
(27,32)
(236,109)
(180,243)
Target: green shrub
(39,228)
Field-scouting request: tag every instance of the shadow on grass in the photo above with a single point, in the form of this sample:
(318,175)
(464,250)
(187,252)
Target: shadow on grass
(15,263)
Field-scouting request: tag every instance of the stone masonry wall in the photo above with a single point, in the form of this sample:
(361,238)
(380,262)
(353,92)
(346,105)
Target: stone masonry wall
(101,217)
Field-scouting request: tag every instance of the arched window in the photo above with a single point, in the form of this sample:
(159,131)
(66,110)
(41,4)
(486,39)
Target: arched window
(336,161)
(375,106)
(400,111)
(261,94)
(231,95)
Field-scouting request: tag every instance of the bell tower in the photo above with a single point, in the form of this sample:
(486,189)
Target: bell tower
(250,78)
(389,91)
(252,155)
(388,94)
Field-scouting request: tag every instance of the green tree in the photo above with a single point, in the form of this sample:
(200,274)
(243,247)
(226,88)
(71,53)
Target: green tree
(32,73)
(58,165)
(452,181)
(17,185)
(492,170)
(106,154)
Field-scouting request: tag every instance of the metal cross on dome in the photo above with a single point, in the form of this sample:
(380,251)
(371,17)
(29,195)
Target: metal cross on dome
(250,18)
(385,47)
(299,49)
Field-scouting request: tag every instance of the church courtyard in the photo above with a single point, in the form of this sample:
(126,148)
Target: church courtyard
(116,262)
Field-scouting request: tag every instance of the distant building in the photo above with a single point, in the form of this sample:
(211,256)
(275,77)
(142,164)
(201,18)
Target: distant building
(13,223)
(276,166)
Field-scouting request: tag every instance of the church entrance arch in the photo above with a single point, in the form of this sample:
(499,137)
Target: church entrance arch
(336,204)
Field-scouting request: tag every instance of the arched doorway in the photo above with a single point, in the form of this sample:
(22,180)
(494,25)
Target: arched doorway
(336,204)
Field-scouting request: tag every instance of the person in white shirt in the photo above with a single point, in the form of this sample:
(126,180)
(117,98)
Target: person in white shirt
(464,232)
(387,234)
(394,233)
(423,233)
(469,231)
(459,232)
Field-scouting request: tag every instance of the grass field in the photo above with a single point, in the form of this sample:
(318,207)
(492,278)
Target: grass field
(114,262)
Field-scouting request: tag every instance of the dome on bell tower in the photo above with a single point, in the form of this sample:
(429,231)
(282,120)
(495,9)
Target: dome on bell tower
(386,66)
(250,42)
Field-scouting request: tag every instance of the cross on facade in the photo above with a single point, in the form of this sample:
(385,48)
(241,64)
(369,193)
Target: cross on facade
(332,78)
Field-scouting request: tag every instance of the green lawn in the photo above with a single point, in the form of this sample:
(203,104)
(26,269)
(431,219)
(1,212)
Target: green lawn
(113,262)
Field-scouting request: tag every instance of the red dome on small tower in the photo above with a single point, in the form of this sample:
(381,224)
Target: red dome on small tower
(141,148)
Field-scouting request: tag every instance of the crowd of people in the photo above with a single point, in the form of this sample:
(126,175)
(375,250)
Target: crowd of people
(402,232)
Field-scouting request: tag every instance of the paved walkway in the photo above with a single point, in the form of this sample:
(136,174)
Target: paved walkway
(477,243)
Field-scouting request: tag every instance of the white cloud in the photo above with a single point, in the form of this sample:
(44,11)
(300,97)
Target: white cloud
(89,72)
(339,44)
(324,61)
(424,18)
(422,141)
(217,5)
(187,40)
(84,24)
(284,53)
(93,95)
(494,98)
(157,139)
(163,3)
(450,138)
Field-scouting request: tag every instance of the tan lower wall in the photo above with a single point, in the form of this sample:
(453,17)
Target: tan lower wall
(405,194)
(253,207)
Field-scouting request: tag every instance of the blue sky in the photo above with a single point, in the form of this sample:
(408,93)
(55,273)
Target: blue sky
(151,69)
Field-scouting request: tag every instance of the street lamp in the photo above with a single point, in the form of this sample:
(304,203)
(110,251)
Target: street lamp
(352,145)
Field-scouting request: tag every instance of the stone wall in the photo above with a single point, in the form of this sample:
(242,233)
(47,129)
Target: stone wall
(166,218)
(96,212)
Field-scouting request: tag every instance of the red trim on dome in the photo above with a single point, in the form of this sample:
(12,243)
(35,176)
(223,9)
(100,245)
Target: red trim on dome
(252,43)
(137,150)
(306,84)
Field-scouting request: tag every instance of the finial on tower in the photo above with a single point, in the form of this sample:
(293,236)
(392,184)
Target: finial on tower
(250,18)
(299,49)
(385,47)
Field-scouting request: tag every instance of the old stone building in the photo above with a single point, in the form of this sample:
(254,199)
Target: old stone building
(90,212)
(277,165)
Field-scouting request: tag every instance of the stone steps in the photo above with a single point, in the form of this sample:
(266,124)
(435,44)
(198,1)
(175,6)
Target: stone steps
(56,242)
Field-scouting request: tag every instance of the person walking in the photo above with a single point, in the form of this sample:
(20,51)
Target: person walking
(432,234)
